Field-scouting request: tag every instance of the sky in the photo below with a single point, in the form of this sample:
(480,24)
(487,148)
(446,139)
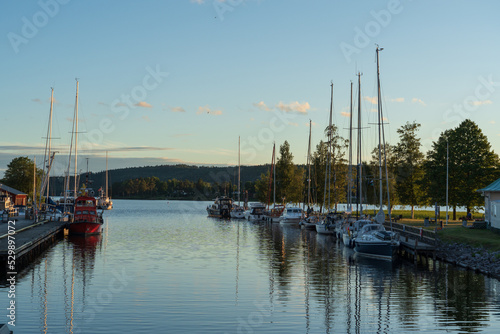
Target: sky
(178,81)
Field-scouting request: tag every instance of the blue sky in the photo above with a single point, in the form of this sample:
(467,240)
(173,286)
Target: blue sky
(178,81)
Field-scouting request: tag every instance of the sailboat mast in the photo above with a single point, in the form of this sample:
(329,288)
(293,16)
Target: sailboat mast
(107,175)
(50,139)
(76,141)
(359,161)
(330,148)
(349,181)
(379,111)
(383,137)
(309,167)
(274,174)
(239,170)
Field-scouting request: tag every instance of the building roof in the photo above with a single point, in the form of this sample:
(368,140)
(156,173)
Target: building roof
(493,187)
(10,190)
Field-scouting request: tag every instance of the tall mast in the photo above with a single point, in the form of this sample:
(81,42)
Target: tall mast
(50,139)
(274,175)
(380,215)
(309,167)
(34,204)
(46,157)
(239,170)
(383,138)
(328,168)
(269,189)
(76,141)
(349,181)
(359,160)
(107,176)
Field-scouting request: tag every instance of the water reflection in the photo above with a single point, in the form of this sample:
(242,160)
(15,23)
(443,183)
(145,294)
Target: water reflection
(200,275)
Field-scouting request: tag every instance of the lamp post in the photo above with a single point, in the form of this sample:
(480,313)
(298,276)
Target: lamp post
(447,169)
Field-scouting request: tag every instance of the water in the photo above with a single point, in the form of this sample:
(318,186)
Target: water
(164,267)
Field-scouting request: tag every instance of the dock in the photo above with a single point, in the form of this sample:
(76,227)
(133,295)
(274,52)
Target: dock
(414,241)
(30,239)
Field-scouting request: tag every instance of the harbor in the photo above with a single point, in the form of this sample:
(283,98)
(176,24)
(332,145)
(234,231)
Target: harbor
(231,275)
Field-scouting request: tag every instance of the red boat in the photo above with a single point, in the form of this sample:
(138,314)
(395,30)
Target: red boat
(86,219)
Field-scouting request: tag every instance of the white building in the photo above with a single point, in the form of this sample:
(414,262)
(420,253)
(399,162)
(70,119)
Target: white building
(491,195)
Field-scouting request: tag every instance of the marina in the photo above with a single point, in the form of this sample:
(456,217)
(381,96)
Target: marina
(200,274)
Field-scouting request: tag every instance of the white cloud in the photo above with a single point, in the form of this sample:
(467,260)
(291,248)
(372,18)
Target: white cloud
(146,118)
(345,114)
(297,107)
(177,109)
(372,100)
(143,104)
(293,123)
(416,100)
(262,106)
(398,99)
(492,122)
(312,123)
(207,110)
(480,103)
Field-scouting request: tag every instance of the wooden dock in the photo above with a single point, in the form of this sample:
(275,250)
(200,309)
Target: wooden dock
(414,241)
(30,239)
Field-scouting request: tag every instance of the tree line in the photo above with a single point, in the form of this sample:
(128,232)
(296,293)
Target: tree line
(414,179)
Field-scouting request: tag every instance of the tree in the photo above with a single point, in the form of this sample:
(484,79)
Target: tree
(19,175)
(408,161)
(472,165)
(289,177)
(373,177)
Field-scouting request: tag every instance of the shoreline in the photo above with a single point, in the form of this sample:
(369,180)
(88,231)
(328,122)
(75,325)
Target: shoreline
(477,259)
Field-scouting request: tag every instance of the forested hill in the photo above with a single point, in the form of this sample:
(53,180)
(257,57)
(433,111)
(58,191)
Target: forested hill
(169,172)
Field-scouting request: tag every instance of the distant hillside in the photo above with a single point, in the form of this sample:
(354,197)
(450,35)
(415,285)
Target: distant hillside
(168,172)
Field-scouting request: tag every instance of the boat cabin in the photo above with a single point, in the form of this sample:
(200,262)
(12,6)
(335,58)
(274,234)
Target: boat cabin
(85,209)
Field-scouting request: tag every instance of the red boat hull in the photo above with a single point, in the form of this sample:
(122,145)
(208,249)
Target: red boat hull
(85,228)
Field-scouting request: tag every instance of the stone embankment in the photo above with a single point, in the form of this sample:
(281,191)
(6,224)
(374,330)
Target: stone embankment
(474,258)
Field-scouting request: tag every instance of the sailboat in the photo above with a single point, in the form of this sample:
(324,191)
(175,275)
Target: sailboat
(310,220)
(274,214)
(373,239)
(327,226)
(238,212)
(104,201)
(86,219)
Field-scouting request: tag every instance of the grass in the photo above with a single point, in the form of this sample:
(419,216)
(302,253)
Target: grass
(473,237)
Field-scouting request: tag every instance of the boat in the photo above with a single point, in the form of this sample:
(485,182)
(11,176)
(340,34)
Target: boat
(325,227)
(274,214)
(373,240)
(86,219)
(238,211)
(291,215)
(350,231)
(257,213)
(310,222)
(221,208)
(104,202)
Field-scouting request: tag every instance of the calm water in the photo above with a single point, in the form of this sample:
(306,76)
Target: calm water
(164,267)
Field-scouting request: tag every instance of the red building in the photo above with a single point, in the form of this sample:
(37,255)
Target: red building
(16,197)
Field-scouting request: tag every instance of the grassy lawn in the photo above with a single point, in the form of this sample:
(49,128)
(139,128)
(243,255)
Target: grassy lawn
(477,238)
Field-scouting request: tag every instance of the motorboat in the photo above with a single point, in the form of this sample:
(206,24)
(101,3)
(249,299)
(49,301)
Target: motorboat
(221,208)
(291,215)
(257,213)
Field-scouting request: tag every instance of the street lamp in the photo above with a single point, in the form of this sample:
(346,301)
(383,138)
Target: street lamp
(447,168)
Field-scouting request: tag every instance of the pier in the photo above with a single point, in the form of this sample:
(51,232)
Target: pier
(414,241)
(30,238)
